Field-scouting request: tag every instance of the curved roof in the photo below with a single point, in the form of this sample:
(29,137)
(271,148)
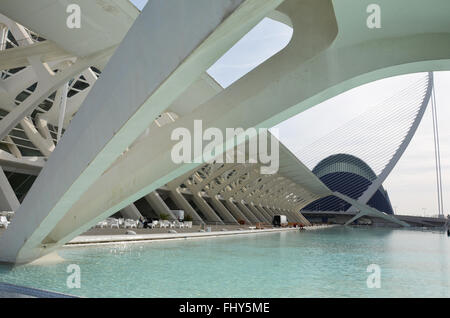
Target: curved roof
(344,163)
(351,176)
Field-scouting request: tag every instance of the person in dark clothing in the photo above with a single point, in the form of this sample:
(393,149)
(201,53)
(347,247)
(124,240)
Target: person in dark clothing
(144,222)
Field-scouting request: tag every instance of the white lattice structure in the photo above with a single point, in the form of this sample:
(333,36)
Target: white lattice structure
(132,78)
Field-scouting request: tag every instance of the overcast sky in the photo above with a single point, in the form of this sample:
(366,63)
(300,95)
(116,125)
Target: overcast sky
(412,184)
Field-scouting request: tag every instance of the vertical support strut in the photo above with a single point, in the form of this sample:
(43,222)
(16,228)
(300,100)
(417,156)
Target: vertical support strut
(62,111)
(437,154)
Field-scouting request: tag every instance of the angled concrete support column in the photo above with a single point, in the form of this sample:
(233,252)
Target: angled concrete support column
(297,216)
(237,213)
(367,210)
(12,147)
(8,199)
(131,212)
(269,216)
(158,204)
(223,211)
(247,212)
(178,48)
(45,145)
(257,213)
(183,204)
(197,186)
(206,209)
(356,217)
(3,36)
(267,210)
(266,215)
(294,217)
(272,210)
(303,220)
(263,212)
(291,217)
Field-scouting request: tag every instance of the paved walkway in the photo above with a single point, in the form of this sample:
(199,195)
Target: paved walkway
(117,238)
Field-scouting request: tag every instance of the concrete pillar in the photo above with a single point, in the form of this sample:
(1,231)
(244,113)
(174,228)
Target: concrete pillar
(223,211)
(270,213)
(131,212)
(3,36)
(297,216)
(206,209)
(263,216)
(247,212)
(12,147)
(8,199)
(183,204)
(292,216)
(264,211)
(45,145)
(274,210)
(304,220)
(158,204)
(236,212)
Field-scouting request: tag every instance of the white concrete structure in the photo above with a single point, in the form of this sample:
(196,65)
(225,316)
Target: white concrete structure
(115,148)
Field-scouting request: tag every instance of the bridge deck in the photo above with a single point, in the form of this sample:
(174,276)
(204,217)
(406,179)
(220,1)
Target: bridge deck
(411,219)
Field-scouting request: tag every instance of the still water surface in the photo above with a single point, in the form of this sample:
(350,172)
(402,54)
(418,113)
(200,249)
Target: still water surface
(322,263)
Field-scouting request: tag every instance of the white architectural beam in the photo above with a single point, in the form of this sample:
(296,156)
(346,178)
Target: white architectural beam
(182,203)
(261,217)
(103,24)
(250,215)
(237,213)
(222,210)
(175,193)
(8,199)
(201,203)
(264,216)
(196,184)
(120,108)
(158,204)
(44,144)
(48,84)
(131,212)
(367,210)
(330,52)
(18,57)
(25,165)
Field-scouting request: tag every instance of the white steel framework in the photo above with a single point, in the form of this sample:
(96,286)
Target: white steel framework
(135,77)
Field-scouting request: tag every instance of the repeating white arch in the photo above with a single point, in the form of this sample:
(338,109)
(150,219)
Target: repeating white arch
(98,168)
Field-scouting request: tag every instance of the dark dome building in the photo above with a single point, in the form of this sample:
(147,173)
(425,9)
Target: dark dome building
(350,176)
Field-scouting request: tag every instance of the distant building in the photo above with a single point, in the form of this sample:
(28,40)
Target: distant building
(351,176)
